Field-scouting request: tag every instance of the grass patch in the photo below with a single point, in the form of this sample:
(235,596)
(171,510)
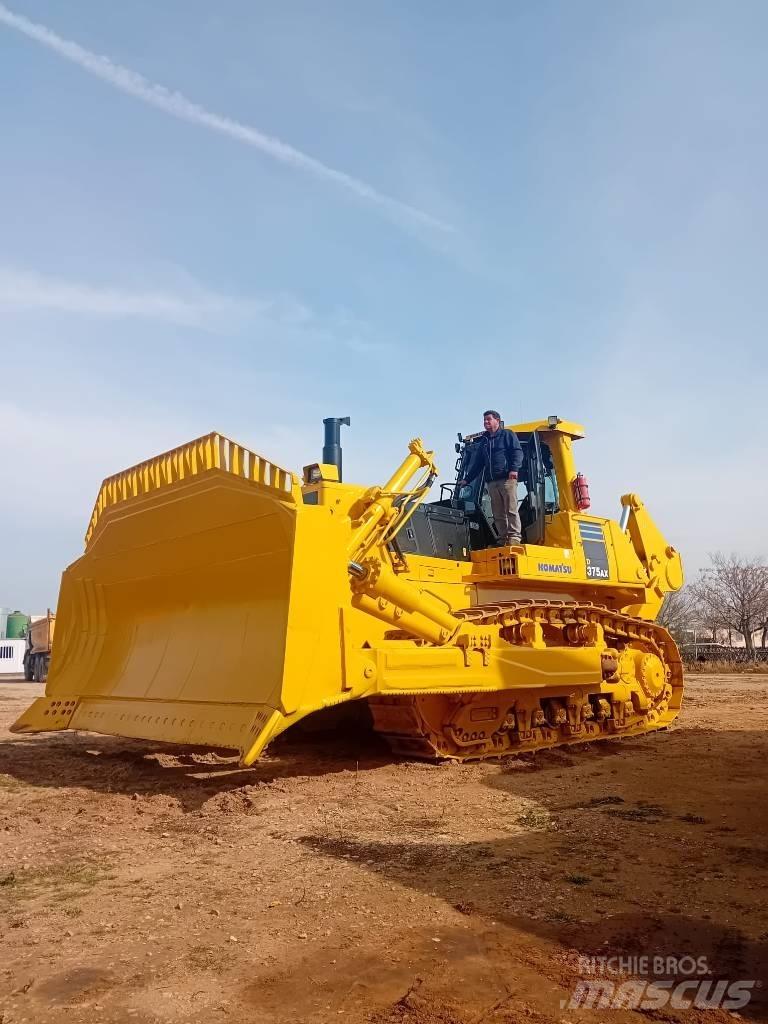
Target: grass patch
(560,917)
(9,784)
(535,818)
(578,879)
(650,813)
(209,958)
(61,882)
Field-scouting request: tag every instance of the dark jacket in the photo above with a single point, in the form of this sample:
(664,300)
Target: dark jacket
(500,454)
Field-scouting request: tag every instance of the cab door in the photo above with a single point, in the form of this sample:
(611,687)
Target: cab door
(473,499)
(533,506)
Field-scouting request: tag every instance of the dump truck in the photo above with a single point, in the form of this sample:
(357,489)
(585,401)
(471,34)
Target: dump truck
(221,599)
(37,656)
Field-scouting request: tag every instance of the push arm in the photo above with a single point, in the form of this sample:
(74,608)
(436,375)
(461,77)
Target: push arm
(377,589)
(661,561)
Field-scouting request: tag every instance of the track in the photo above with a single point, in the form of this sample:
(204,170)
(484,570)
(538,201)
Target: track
(641,690)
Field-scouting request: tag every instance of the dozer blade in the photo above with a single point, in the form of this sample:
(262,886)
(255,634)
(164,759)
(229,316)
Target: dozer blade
(175,623)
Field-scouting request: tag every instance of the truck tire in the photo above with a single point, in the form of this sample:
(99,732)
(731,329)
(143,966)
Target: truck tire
(29,668)
(37,669)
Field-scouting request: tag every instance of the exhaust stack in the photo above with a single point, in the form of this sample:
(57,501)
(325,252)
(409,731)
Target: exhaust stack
(332,446)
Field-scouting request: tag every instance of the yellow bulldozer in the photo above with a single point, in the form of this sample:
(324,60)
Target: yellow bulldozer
(221,599)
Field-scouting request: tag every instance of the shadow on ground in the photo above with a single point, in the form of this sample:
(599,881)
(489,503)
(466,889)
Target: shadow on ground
(658,864)
(190,775)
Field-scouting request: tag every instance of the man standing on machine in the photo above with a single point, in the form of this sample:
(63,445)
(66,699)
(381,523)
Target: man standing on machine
(499,453)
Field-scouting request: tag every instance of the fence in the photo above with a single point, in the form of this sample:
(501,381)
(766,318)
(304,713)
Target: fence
(721,652)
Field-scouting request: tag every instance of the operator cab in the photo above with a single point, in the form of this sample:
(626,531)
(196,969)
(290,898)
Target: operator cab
(462,522)
(537,492)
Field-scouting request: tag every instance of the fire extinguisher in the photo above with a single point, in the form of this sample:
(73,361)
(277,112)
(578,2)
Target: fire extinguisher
(581,491)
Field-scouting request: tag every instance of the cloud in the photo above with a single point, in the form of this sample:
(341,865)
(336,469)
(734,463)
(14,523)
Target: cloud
(188,303)
(27,291)
(177,105)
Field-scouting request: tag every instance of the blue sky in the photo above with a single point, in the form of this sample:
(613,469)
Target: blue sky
(543,207)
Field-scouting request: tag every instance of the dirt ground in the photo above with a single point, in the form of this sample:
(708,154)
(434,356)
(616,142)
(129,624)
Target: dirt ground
(333,882)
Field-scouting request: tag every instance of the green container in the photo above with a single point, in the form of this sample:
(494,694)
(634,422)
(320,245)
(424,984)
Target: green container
(17,625)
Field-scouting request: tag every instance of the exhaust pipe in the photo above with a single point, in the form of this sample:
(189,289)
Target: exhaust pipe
(332,446)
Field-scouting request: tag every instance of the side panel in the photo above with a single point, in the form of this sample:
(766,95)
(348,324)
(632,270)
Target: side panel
(318,626)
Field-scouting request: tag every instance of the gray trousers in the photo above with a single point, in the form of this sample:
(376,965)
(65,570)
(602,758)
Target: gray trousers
(506,517)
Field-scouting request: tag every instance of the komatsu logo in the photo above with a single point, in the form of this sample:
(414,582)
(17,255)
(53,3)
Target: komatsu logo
(554,567)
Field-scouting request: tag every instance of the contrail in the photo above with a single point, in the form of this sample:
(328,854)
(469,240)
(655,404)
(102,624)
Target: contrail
(177,105)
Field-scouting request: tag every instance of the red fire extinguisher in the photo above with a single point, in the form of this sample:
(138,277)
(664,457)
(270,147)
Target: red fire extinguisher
(581,491)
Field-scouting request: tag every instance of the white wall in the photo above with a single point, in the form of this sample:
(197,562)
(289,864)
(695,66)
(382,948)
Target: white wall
(12,656)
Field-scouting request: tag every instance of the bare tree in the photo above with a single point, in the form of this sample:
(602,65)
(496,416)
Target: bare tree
(679,613)
(733,592)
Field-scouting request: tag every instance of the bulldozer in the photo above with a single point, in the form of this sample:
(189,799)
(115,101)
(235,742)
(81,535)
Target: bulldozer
(221,599)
